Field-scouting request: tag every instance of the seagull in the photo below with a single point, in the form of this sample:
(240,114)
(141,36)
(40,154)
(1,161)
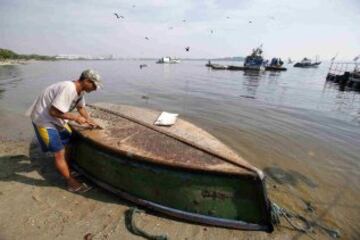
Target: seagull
(171,28)
(250,21)
(133,6)
(228,17)
(118,16)
(184,20)
(211,31)
(187,49)
(147,38)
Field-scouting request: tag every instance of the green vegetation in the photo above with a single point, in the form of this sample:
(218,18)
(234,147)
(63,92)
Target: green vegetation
(6,54)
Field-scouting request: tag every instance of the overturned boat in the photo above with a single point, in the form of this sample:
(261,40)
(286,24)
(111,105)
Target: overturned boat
(181,170)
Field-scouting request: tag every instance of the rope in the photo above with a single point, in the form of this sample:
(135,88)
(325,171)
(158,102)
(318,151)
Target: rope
(277,212)
(131,226)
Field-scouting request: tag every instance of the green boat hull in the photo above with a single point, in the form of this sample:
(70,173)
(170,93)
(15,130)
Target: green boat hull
(226,200)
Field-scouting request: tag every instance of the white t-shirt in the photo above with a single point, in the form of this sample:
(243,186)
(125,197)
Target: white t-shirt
(63,96)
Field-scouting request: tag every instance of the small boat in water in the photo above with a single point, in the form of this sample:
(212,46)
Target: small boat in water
(208,64)
(168,60)
(307,63)
(181,170)
(276,64)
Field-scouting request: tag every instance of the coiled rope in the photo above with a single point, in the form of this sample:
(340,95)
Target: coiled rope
(131,226)
(277,212)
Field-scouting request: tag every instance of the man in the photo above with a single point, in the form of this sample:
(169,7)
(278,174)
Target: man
(52,110)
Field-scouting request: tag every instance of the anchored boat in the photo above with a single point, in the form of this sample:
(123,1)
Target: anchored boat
(255,61)
(307,63)
(276,64)
(181,170)
(168,60)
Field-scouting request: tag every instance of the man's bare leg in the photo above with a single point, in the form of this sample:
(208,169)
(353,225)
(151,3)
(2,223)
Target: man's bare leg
(63,167)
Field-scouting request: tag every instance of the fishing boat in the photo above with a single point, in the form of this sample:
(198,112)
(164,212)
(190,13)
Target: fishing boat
(179,170)
(237,68)
(276,64)
(255,61)
(219,67)
(208,64)
(168,60)
(307,63)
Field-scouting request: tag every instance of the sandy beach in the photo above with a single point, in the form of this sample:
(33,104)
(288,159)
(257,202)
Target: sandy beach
(36,205)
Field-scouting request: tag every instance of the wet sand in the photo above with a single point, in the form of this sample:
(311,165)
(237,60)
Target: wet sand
(34,203)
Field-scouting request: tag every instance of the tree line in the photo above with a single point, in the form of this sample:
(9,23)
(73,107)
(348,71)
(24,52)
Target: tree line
(8,54)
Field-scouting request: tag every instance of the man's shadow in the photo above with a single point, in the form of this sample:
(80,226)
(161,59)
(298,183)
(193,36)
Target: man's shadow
(18,168)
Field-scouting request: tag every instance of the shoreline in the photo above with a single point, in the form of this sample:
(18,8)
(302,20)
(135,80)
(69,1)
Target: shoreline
(8,62)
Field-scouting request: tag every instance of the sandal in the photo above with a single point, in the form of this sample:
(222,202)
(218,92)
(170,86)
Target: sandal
(74,173)
(83,188)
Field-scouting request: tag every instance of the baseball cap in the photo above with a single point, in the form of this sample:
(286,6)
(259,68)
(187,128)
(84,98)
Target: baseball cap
(92,76)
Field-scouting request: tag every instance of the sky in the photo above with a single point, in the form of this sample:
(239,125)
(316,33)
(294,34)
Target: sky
(211,28)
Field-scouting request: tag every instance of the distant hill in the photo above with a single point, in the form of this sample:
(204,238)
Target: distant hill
(6,54)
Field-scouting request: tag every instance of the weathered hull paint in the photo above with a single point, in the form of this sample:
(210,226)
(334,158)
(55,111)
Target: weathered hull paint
(225,200)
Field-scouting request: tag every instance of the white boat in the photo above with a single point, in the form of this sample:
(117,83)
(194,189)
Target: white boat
(168,60)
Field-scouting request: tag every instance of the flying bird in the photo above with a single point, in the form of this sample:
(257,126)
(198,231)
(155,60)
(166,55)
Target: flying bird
(228,17)
(250,21)
(118,16)
(133,6)
(184,20)
(187,49)
(147,38)
(171,28)
(211,31)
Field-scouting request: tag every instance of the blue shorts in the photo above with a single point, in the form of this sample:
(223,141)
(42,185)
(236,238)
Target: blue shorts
(53,139)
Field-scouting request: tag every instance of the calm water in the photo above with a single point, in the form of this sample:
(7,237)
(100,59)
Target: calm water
(304,133)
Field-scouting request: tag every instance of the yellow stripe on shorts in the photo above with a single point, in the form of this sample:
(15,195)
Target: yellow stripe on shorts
(43,133)
(68,128)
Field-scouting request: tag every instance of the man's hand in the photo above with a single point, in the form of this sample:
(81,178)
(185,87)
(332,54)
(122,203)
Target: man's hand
(80,120)
(92,123)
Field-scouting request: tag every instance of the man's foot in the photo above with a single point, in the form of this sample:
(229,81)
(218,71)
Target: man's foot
(74,173)
(83,188)
(75,186)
